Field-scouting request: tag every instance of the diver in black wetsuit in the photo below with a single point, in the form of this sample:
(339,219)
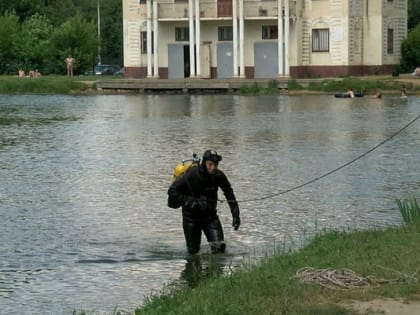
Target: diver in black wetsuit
(196,191)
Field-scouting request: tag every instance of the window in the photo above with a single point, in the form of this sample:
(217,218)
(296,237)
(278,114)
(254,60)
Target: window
(143,40)
(224,8)
(390,46)
(269,32)
(320,40)
(225,33)
(182,34)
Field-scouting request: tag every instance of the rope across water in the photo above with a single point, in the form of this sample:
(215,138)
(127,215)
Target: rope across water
(332,171)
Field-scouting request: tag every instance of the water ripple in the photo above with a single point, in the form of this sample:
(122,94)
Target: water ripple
(83,193)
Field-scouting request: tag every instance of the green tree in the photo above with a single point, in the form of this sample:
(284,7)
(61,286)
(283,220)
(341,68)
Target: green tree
(22,8)
(36,48)
(413,13)
(410,50)
(111,31)
(9,43)
(59,11)
(75,37)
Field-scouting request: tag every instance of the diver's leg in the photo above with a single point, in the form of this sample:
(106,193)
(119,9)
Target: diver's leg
(214,233)
(192,233)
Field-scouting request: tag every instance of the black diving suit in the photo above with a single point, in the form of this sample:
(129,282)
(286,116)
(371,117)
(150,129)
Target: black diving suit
(196,192)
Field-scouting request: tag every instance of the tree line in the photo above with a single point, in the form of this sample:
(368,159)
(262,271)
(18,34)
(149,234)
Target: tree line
(39,34)
(410,47)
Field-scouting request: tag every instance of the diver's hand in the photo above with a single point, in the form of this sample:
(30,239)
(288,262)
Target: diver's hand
(236,220)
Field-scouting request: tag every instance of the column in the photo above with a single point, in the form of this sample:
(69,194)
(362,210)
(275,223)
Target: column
(191,32)
(241,39)
(286,38)
(280,36)
(235,38)
(155,40)
(197,37)
(149,37)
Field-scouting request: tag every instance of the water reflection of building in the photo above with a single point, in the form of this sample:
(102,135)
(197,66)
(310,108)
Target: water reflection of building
(306,38)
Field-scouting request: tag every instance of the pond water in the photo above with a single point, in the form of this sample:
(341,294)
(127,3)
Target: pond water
(84,222)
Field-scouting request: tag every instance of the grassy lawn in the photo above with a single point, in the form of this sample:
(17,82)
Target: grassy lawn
(272,287)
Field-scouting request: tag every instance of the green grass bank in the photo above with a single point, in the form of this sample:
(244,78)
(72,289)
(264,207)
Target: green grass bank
(46,85)
(56,84)
(272,286)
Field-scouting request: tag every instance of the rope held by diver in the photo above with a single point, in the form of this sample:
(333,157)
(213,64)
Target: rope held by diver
(332,171)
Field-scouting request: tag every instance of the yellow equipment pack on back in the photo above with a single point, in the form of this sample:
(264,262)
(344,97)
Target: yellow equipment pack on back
(181,168)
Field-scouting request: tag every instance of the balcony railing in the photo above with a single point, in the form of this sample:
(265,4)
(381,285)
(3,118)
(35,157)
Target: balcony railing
(260,8)
(213,9)
(168,9)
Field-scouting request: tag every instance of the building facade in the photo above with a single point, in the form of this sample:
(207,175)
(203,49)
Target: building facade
(221,39)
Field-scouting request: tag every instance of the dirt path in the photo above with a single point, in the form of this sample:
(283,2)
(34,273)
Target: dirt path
(386,306)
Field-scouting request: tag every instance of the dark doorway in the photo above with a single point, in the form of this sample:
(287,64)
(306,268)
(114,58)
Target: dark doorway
(186,61)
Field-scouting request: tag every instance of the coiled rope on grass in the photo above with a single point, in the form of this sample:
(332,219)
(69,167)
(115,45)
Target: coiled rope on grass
(346,279)
(332,171)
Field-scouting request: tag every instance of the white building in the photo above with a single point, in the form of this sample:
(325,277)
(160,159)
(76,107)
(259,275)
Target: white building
(256,39)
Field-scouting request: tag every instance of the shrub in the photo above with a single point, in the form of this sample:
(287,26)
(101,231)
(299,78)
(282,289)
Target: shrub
(409,209)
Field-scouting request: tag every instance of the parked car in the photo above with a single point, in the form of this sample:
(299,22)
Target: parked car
(90,72)
(120,72)
(106,69)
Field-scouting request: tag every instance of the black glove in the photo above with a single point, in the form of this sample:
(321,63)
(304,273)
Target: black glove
(236,220)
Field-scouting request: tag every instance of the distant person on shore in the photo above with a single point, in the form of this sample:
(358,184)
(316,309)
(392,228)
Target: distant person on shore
(21,73)
(69,62)
(31,73)
(350,93)
(378,94)
(37,73)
